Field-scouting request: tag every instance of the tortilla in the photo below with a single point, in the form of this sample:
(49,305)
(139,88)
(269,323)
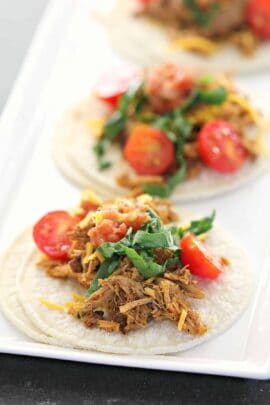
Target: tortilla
(147,42)
(225,300)
(73,153)
(11,307)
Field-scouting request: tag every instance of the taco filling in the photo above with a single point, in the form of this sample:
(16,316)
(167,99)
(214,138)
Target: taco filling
(172,124)
(202,25)
(136,266)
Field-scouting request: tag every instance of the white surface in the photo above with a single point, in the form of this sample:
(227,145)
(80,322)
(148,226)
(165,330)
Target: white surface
(65,59)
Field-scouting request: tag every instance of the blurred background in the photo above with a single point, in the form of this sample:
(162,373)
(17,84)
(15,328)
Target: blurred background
(18,20)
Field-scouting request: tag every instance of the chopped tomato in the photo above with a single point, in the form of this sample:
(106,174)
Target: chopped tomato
(145,2)
(198,259)
(167,87)
(51,234)
(258,17)
(107,231)
(114,84)
(149,151)
(220,147)
(115,223)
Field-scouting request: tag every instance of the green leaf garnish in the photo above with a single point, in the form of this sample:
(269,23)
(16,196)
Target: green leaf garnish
(140,248)
(202,17)
(199,226)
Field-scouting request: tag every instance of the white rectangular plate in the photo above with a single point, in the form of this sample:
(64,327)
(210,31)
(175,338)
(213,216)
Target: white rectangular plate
(67,54)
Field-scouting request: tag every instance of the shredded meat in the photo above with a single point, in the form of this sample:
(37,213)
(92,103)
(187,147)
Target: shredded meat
(126,302)
(83,263)
(229,17)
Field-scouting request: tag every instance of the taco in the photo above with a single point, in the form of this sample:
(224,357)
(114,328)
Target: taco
(165,131)
(231,35)
(125,276)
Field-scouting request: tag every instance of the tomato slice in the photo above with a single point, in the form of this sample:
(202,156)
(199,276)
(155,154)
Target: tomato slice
(149,151)
(220,147)
(198,259)
(258,17)
(50,234)
(114,84)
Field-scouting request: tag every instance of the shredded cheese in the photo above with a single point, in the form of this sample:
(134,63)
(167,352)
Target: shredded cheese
(78,297)
(150,292)
(202,237)
(145,198)
(196,44)
(89,250)
(51,305)
(72,305)
(95,125)
(261,147)
(90,196)
(182,319)
(97,255)
(243,102)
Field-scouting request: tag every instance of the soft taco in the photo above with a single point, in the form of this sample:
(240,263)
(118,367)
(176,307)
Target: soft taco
(163,131)
(231,35)
(124,276)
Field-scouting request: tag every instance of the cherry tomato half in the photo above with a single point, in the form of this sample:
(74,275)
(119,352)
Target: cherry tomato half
(258,17)
(50,234)
(198,259)
(149,151)
(220,147)
(115,83)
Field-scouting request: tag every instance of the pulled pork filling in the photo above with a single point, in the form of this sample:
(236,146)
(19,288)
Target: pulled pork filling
(129,297)
(127,302)
(214,19)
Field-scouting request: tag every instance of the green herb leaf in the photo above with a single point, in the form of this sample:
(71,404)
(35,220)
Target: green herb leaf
(177,177)
(182,126)
(198,227)
(202,17)
(104,271)
(153,240)
(156,190)
(216,96)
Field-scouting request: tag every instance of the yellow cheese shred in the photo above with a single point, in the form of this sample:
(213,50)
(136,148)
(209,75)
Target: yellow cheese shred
(195,43)
(77,297)
(70,304)
(95,125)
(51,305)
(182,319)
(243,102)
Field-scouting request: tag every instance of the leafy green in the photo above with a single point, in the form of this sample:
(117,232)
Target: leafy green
(133,99)
(104,271)
(216,96)
(198,227)
(157,190)
(202,17)
(140,247)
(114,126)
(178,176)
(161,239)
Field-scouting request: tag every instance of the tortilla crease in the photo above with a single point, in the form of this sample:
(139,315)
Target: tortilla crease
(12,309)
(72,149)
(225,300)
(147,42)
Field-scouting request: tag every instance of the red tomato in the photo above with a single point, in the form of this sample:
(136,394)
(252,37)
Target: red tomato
(145,2)
(220,147)
(115,223)
(149,151)
(258,17)
(114,84)
(199,261)
(50,234)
